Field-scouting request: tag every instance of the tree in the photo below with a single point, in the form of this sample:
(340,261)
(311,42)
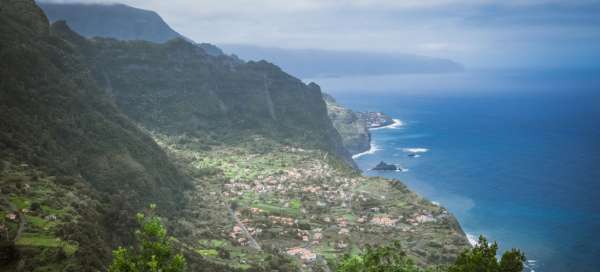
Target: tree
(512,261)
(482,258)
(379,259)
(153,252)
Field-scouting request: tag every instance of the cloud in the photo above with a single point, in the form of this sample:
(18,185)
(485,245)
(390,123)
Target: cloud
(469,31)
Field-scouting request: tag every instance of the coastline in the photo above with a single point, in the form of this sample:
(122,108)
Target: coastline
(372,146)
(397,123)
(531,265)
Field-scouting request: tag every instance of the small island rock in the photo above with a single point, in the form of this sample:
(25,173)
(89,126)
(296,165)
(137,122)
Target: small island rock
(386,167)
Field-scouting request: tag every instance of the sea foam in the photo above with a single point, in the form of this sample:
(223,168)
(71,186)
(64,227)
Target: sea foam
(415,150)
(396,124)
(374,148)
(472,239)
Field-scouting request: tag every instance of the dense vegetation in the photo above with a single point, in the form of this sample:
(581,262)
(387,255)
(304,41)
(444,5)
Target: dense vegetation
(483,258)
(177,88)
(392,258)
(154,251)
(65,146)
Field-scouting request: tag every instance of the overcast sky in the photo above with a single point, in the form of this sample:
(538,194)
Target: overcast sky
(477,33)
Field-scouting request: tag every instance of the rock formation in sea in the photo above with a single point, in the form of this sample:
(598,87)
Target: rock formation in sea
(383,166)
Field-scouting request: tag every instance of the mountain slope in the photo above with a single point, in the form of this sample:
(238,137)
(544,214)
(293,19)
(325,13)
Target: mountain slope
(260,143)
(178,88)
(113,20)
(65,146)
(117,21)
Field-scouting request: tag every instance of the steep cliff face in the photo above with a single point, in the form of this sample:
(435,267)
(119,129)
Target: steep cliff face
(178,88)
(353,129)
(66,133)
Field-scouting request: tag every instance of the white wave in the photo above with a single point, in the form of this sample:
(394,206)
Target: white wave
(472,239)
(437,204)
(396,124)
(374,148)
(531,265)
(415,150)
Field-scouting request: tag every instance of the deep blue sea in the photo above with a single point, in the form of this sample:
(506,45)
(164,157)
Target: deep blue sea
(515,155)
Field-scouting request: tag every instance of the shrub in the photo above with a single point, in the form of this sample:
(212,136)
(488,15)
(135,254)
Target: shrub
(483,258)
(379,259)
(153,251)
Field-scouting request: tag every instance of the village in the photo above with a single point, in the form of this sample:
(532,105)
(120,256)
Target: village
(292,199)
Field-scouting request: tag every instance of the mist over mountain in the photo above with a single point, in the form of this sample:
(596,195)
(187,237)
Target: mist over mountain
(123,22)
(116,21)
(111,20)
(310,63)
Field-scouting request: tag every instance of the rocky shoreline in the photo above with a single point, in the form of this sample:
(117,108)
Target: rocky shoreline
(375,119)
(354,127)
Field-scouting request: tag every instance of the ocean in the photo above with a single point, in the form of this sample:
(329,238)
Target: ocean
(514,155)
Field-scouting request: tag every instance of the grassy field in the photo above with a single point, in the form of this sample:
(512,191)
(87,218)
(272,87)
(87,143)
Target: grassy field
(37,240)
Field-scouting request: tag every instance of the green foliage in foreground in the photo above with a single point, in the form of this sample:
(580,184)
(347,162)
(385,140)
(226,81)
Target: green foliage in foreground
(481,258)
(153,252)
(379,259)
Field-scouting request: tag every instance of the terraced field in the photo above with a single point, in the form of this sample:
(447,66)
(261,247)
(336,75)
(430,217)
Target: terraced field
(35,209)
(298,203)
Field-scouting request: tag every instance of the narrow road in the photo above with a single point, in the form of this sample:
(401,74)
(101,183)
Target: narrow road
(253,242)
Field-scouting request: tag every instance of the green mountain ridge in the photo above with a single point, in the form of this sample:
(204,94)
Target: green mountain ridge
(117,21)
(128,23)
(248,172)
(111,20)
(60,134)
(177,88)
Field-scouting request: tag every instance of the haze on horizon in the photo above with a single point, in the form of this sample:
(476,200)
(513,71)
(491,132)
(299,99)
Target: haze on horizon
(482,33)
